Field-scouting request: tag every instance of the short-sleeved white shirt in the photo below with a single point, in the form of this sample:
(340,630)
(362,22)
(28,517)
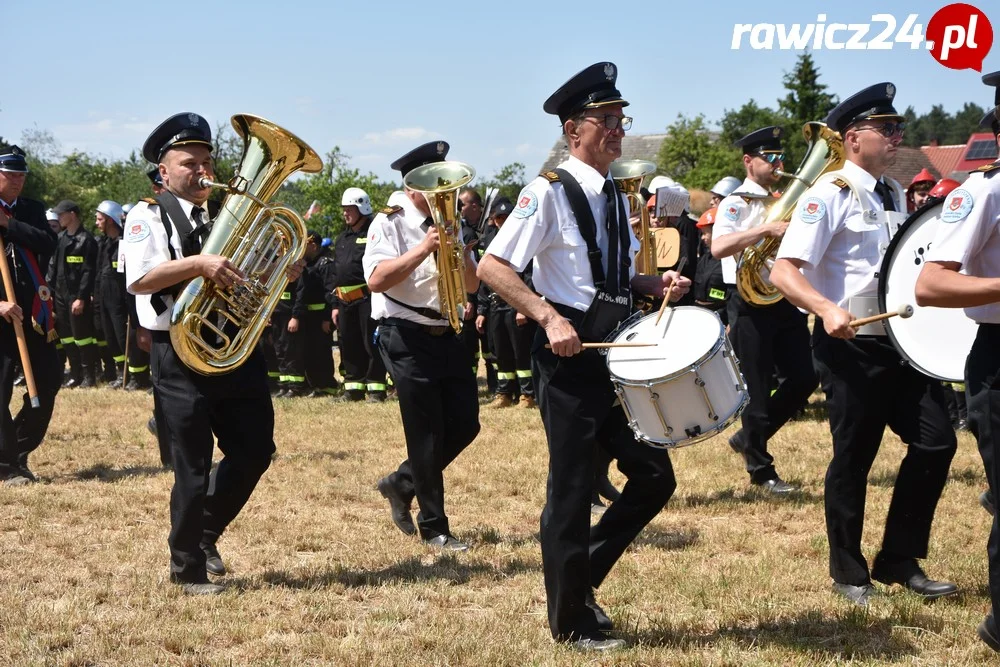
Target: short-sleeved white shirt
(968,234)
(542,227)
(144,247)
(737,213)
(390,236)
(841,237)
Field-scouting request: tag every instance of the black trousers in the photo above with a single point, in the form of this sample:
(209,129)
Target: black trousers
(439,404)
(576,400)
(290,350)
(317,351)
(235,408)
(512,350)
(982,386)
(76,332)
(114,315)
(359,359)
(138,359)
(869,387)
(765,339)
(21,435)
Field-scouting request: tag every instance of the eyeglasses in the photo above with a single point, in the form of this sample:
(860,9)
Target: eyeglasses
(771,158)
(614,122)
(887,130)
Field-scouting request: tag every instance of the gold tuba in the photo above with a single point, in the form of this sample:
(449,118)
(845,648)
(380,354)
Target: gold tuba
(629,175)
(261,240)
(439,183)
(753,271)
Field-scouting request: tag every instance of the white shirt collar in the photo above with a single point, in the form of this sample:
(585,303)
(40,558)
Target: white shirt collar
(859,176)
(586,174)
(10,205)
(751,187)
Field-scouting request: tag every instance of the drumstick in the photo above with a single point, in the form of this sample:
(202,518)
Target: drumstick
(594,346)
(22,343)
(666,296)
(904,311)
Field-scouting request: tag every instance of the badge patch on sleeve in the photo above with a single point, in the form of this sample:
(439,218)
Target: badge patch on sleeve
(957,206)
(812,210)
(527,203)
(137,231)
(374,235)
(733,211)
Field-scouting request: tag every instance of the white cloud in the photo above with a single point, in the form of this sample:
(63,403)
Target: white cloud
(524,149)
(398,135)
(116,135)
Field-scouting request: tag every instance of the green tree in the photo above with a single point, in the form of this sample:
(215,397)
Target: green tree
(806,101)
(509,180)
(693,156)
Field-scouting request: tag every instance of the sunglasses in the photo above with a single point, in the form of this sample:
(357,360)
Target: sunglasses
(888,129)
(614,122)
(771,158)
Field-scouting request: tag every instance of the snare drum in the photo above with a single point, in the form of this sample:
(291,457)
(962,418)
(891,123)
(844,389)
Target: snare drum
(684,390)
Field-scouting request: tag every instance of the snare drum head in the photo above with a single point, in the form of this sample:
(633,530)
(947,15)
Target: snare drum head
(685,336)
(936,341)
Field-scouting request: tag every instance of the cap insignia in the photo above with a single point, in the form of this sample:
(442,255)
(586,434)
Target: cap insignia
(193,119)
(609,71)
(890,90)
(440,148)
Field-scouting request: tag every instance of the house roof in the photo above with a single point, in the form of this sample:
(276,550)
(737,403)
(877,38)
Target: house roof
(909,162)
(980,149)
(944,158)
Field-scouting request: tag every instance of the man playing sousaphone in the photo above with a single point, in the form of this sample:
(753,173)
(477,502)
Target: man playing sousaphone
(765,338)
(573,224)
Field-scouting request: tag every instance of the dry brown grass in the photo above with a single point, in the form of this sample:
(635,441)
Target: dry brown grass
(320,575)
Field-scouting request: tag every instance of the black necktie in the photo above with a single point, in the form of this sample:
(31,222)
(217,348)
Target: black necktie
(611,282)
(886,194)
(196,214)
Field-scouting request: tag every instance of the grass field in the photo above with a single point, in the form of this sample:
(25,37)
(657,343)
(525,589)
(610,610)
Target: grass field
(319,575)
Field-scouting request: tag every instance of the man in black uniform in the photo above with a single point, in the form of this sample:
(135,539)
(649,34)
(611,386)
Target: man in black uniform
(162,246)
(28,240)
(437,393)
(288,345)
(312,319)
(352,315)
(72,273)
(573,224)
(111,294)
(765,338)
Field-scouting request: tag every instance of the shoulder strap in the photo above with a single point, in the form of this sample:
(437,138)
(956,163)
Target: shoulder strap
(420,310)
(173,213)
(389,210)
(585,221)
(551,176)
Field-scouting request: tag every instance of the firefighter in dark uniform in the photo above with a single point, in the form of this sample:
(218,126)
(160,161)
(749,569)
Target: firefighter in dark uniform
(765,338)
(111,293)
(360,362)
(162,252)
(288,344)
(313,319)
(71,274)
(29,240)
(709,285)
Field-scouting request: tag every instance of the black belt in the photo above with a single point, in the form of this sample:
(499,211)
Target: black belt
(160,336)
(433,330)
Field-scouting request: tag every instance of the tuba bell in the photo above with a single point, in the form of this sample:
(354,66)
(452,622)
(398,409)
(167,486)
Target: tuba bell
(629,175)
(753,271)
(439,183)
(214,330)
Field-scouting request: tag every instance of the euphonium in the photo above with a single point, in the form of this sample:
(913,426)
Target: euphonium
(753,271)
(629,175)
(439,183)
(259,239)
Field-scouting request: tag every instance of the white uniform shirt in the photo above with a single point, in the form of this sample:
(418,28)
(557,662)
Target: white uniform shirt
(736,214)
(968,234)
(840,237)
(542,226)
(389,237)
(144,248)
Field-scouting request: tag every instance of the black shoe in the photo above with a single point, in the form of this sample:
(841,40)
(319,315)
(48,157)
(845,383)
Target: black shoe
(597,641)
(115,384)
(72,383)
(398,505)
(295,391)
(986,500)
(375,397)
(962,425)
(908,574)
(447,543)
(737,442)
(197,588)
(351,396)
(776,486)
(19,380)
(89,382)
(987,631)
(213,561)
(859,595)
(603,622)
(151,426)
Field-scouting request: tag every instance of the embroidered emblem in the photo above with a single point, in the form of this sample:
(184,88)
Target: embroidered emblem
(137,232)
(732,212)
(812,210)
(527,204)
(609,71)
(958,206)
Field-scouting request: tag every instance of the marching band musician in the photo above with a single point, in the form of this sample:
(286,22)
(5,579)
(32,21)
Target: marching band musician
(827,264)
(968,240)
(162,245)
(438,396)
(29,240)
(573,223)
(764,338)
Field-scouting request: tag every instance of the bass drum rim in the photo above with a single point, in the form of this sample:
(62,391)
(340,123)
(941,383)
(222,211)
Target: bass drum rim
(930,209)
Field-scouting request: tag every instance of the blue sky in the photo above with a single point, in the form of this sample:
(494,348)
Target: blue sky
(377,78)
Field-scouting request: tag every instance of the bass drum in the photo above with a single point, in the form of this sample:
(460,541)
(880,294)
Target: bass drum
(935,341)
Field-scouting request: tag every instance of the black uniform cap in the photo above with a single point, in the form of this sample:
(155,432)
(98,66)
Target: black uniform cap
(155,177)
(992,117)
(429,153)
(872,103)
(766,139)
(178,130)
(65,206)
(12,159)
(591,88)
(502,206)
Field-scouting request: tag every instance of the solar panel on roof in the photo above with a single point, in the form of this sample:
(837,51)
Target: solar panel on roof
(983,149)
